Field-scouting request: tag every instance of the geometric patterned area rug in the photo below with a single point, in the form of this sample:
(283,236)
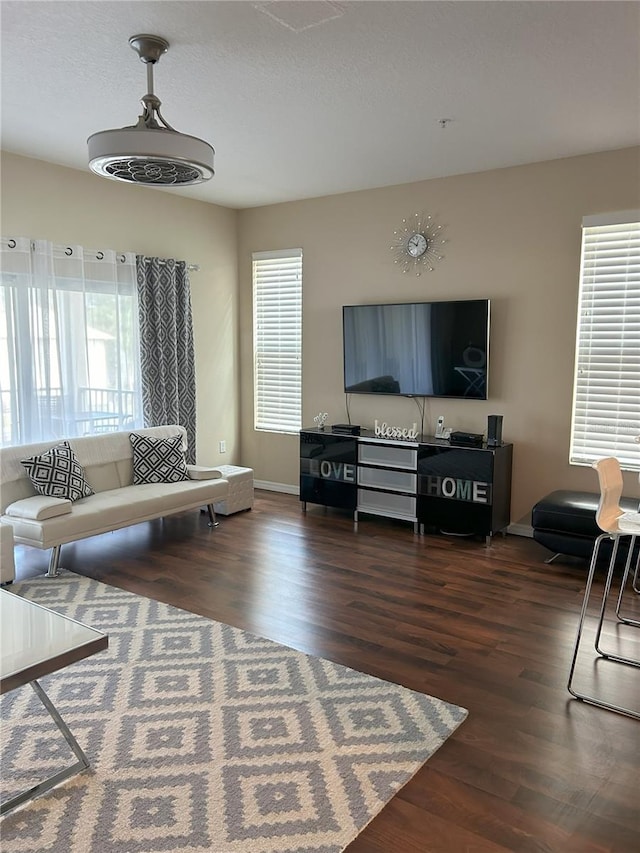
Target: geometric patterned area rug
(204,738)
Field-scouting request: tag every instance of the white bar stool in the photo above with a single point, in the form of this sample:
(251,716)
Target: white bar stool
(615,524)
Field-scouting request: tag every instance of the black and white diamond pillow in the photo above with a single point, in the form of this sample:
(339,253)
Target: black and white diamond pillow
(157,460)
(57,473)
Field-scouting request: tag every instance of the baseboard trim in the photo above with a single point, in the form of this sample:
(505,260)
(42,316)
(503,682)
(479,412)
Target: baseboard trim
(276,487)
(521,530)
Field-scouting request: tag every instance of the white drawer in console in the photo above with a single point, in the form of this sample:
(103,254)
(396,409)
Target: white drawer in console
(387,478)
(384,503)
(389,455)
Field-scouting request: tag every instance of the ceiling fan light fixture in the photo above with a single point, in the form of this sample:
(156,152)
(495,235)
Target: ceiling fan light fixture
(150,152)
(148,156)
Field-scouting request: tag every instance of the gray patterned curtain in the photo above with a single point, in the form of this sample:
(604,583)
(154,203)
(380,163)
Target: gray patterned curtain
(166,346)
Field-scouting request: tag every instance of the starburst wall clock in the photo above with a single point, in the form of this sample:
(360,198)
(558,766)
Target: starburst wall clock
(417,244)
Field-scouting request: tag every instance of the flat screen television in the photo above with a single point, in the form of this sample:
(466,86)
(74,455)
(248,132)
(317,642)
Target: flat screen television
(417,349)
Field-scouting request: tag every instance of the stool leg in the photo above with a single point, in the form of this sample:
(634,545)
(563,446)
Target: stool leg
(605,598)
(587,593)
(585,602)
(605,654)
(623,585)
(212,516)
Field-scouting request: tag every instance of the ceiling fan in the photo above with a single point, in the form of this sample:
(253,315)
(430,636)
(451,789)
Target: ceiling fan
(150,152)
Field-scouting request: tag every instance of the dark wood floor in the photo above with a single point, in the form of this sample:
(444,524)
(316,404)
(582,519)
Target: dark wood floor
(490,628)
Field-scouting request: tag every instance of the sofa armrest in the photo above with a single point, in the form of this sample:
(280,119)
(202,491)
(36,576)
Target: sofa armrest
(201,472)
(38,508)
(7,565)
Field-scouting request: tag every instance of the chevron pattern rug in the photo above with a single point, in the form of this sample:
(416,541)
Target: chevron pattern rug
(204,738)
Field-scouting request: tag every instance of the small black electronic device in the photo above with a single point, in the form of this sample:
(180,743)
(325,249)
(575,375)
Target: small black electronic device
(346,429)
(468,439)
(494,430)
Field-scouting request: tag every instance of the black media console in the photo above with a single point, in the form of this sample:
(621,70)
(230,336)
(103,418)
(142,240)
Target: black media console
(434,485)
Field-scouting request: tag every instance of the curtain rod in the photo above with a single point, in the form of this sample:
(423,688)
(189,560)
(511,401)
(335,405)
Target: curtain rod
(68,250)
(190,267)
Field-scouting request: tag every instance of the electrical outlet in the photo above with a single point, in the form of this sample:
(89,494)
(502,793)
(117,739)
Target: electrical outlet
(222,446)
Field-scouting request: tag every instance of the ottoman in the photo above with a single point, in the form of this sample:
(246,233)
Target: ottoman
(240,495)
(565,523)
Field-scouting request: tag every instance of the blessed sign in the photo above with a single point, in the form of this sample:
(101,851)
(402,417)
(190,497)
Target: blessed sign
(385,431)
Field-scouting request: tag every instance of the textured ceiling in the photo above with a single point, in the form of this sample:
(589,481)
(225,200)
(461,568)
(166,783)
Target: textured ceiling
(304,98)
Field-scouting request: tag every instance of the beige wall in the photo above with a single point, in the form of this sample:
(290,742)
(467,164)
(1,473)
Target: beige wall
(59,204)
(513,236)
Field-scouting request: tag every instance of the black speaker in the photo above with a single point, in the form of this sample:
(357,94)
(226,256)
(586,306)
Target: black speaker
(494,430)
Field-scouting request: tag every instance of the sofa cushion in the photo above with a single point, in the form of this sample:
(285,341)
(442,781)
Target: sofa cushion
(94,452)
(56,473)
(117,508)
(157,460)
(39,507)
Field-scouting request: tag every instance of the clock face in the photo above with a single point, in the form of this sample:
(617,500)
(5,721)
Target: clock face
(417,245)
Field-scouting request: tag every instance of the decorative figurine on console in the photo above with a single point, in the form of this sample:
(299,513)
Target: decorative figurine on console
(321,419)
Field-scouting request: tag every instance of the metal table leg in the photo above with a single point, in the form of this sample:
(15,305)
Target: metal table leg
(81,764)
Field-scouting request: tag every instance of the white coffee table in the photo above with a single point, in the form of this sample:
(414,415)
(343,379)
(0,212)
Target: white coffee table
(35,641)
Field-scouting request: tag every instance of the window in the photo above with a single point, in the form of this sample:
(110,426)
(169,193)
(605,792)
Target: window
(277,337)
(606,396)
(69,353)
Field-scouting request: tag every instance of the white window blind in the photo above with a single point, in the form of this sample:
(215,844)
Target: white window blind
(277,336)
(606,397)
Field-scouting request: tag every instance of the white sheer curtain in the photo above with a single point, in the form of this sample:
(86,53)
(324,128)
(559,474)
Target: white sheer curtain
(69,343)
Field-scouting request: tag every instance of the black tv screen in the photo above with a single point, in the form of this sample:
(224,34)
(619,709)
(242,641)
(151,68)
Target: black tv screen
(417,349)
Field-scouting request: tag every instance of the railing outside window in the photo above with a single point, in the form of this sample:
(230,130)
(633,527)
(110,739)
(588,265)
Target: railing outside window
(97,410)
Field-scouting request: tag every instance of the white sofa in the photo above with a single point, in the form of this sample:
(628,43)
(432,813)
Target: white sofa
(107,459)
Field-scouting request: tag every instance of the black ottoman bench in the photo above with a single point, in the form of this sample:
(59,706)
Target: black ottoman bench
(565,522)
